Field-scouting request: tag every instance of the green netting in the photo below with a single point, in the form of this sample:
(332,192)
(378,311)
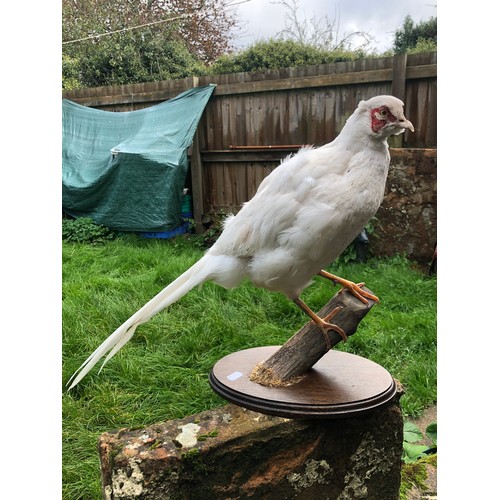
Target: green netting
(127,170)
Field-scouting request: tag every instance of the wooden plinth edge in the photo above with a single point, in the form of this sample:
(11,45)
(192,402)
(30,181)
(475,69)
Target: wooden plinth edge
(339,385)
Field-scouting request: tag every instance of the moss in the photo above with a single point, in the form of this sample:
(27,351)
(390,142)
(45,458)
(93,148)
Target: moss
(155,444)
(192,463)
(190,454)
(112,455)
(414,475)
(204,437)
(134,428)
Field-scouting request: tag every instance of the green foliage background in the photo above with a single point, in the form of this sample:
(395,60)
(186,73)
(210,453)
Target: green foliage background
(410,37)
(275,54)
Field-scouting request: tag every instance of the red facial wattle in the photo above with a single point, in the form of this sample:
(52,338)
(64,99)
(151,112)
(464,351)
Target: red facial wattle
(381,117)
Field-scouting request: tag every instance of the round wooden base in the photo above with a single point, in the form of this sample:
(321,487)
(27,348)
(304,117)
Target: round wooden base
(340,384)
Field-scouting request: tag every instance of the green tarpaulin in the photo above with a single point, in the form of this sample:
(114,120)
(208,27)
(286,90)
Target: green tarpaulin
(127,170)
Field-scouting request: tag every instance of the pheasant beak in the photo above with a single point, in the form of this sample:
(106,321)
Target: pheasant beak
(404,123)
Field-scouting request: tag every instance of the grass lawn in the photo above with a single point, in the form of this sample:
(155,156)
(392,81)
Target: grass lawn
(162,373)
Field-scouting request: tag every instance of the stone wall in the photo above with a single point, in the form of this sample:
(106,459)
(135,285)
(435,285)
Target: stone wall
(232,453)
(407,218)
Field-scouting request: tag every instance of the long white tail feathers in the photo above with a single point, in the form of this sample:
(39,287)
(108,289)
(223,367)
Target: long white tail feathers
(195,275)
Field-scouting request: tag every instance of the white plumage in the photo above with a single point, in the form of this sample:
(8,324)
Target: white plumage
(303,216)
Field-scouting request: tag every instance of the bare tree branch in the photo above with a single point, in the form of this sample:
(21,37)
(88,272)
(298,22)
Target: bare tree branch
(321,32)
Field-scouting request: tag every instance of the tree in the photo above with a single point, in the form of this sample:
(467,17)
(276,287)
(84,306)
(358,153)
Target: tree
(411,36)
(321,33)
(128,58)
(275,54)
(108,42)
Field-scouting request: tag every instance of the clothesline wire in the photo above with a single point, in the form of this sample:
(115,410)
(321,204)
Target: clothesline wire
(125,29)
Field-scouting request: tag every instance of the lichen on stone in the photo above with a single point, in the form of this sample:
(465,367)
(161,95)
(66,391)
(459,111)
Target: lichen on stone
(126,485)
(315,473)
(365,461)
(189,435)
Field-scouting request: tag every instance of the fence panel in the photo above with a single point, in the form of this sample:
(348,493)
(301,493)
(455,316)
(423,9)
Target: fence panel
(282,109)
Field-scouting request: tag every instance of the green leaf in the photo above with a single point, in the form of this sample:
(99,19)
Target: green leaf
(413,452)
(411,432)
(431,432)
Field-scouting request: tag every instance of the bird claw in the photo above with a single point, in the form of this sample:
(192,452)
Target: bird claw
(332,313)
(325,326)
(361,294)
(355,289)
(330,326)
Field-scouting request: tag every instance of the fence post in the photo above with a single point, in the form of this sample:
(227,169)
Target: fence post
(398,89)
(195,81)
(197,173)
(197,183)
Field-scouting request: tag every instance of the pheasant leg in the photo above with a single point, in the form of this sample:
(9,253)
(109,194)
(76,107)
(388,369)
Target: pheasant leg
(354,288)
(323,322)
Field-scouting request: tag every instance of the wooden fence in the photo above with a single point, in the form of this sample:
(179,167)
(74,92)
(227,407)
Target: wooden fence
(255,119)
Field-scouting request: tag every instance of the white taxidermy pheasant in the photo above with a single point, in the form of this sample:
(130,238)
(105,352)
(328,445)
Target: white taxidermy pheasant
(303,216)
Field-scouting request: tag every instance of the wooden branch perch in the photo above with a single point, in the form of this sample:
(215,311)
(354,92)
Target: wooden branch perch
(292,361)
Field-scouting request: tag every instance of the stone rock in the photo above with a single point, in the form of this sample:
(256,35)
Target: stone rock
(233,453)
(407,219)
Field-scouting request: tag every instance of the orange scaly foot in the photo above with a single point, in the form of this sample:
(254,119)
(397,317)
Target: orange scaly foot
(323,323)
(354,288)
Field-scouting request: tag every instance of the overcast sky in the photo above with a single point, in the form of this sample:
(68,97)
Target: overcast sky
(264,19)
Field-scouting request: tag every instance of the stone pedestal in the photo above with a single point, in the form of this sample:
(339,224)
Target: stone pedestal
(234,453)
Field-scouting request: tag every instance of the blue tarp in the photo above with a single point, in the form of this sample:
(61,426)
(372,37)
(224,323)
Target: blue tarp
(127,170)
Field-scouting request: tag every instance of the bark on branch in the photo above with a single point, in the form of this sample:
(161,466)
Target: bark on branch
(292,361)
